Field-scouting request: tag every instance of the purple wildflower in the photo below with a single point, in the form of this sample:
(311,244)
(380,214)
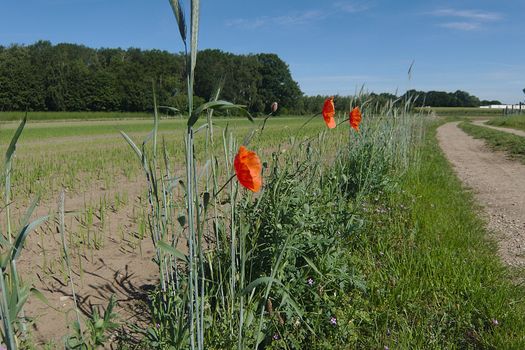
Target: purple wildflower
(310,281)
(333,320)
(495,322)
(276,336)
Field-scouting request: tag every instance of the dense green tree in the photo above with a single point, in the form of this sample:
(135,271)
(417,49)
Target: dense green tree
(69,77)
(488,103)
(276,85)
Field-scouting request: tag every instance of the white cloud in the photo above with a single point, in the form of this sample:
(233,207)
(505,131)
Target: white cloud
(286,20)
(467,26)
(474,15)
(351,7)
(299,17)
(466,20)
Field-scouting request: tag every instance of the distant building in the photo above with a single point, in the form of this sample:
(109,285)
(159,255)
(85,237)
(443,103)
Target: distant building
(518,106)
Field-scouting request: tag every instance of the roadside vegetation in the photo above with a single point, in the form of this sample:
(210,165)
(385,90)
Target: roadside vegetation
(435,279)
(513,121)
(513,145)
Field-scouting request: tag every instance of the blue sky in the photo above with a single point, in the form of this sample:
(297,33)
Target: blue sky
(331,46)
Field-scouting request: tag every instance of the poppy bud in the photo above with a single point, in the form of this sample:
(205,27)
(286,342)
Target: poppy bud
(355,118)
(274,107)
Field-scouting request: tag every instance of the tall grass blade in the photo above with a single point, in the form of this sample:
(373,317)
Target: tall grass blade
(12,144)
(179,16)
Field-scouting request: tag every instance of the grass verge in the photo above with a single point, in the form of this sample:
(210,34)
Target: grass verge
(434,279)
(514,145)
(514,122)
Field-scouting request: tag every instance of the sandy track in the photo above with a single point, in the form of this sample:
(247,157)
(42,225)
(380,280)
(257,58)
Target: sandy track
(509,130)
(498,184)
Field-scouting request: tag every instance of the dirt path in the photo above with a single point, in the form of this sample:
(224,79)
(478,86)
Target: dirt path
(509,130)
(498,184)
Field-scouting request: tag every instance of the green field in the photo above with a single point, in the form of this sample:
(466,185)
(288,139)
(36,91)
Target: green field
(54,116)
(462,111)
(52,155)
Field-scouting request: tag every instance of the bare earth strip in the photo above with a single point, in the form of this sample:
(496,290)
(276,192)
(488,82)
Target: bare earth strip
(498,184)
(509,130)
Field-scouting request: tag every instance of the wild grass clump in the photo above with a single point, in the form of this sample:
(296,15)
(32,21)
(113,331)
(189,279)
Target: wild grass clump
(277,268)
(268,270)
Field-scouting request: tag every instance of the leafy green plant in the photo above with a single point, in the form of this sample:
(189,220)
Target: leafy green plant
(95,333)
(14,293)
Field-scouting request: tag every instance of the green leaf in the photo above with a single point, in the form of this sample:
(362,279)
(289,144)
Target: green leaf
(22,235)
(132,144)
(30,211)
(195,14)
(173,109)
(312,265)
(171,250)
(261,280)
(4,260)
(215,105)
(14,140)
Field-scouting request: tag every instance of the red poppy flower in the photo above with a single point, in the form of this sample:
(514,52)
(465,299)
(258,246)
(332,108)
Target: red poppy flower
(355,118)
(329,112)
(248,169)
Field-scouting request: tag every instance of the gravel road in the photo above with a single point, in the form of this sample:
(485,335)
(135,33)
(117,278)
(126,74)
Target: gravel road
(498,184)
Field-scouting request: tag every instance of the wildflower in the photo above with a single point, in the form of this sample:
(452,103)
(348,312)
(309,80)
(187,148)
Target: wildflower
(248,169)
(386,348)
(274,107)
(329,112)
(355,118)
(276,336)
(333,321)
(495,322)
(310,281)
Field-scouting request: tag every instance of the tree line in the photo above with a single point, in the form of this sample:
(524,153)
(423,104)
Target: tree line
(70,77)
